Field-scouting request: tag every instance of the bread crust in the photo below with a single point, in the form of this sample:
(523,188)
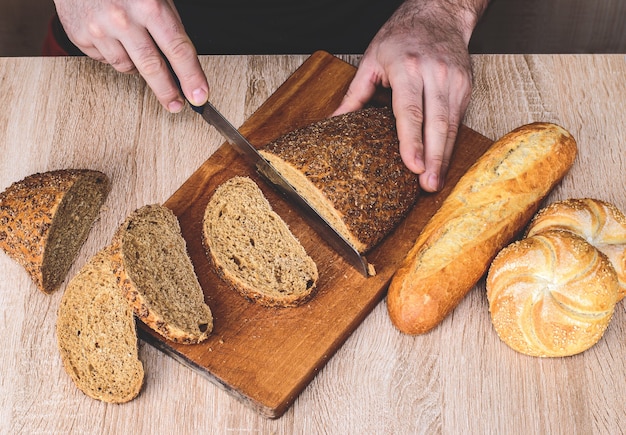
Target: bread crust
(487,208)
(349,168)
(28,213)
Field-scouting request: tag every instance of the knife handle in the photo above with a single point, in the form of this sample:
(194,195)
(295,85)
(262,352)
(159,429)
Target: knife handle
(197,109)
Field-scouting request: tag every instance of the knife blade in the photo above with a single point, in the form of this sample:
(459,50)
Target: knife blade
(251,155)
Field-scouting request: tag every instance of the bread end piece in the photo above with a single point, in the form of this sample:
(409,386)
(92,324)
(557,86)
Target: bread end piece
(45,219)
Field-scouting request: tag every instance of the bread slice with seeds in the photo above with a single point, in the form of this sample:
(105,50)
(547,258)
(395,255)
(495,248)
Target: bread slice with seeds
(157,277)
(253,249)
(45,219)
(96,334)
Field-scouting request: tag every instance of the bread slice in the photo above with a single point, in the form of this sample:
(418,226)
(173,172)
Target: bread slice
(349,169)
(253,249)
(45,219)
(96,334)
(157,277)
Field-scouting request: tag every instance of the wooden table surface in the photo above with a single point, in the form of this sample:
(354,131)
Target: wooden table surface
(459,378)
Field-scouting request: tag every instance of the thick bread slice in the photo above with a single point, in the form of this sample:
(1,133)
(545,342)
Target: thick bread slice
(45,219)
(96,334)
(487,208)
(157,277)
(252,248)
(350,170)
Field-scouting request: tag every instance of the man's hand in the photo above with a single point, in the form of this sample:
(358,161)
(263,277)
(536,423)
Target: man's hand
(130,35)
(421,54)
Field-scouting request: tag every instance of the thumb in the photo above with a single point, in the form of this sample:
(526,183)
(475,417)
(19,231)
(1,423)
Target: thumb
(359,93)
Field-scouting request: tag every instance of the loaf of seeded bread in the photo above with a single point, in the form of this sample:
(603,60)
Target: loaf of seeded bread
(45,219)
(349,169)
(157,277)
(96,334)
(253,249)
(486,209)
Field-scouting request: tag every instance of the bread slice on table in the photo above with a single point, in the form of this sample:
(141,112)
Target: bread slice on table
(45,219)
(96,334)
(157,277)
(253,249)
(349,169)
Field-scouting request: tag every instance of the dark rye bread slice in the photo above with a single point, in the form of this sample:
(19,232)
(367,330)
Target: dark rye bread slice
(45,219)
(349,169)
(157,277)
(253,249)
(96,334)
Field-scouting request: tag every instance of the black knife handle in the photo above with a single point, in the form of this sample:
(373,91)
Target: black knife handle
(197,109)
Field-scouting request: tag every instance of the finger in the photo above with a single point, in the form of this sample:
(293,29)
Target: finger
(408,109)
(114,53)
(361,89)
(183,58)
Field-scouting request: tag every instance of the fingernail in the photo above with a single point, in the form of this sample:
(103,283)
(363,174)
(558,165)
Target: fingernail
(433,182)
(200,96)
(175,106)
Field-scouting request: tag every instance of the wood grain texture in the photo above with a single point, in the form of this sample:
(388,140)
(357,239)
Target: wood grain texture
(457,379)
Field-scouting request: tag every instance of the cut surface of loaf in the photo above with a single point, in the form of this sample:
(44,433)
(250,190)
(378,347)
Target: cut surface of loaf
(157,277)
(45,219)
(599,222)
(349,169)
(253,249)
(487,208)
(551,294)
(96,334)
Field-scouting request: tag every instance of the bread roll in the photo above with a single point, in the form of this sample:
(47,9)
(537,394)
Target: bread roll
(349,169)
(157,277)
(551,294)
(599,222)
(45,219)
(488,207)
(252,248)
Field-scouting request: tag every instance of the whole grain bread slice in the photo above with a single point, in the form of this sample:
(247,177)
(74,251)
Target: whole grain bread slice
(157,277)
(45,219)
(96,334)
(253,249)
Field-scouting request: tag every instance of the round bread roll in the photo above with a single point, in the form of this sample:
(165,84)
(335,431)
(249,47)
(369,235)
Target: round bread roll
(599,222)
(551,295)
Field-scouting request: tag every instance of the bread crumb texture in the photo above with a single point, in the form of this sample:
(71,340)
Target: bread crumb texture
(157,276)
(45,219)
(552,294)
(96,334)
(252,248)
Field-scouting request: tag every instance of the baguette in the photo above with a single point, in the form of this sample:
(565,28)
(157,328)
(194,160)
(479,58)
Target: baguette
(488,207)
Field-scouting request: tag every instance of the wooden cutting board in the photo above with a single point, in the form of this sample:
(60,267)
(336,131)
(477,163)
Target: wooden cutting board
(267,356)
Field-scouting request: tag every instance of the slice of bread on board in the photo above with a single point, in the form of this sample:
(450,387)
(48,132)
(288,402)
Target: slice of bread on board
(157,277)
(45,219)
(253,249)
(96,334)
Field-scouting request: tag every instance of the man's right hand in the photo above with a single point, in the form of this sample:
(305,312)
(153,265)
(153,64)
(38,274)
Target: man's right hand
(131,36)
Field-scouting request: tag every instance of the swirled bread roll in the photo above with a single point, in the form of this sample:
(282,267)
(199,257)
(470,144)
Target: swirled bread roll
(599,222)
(551,294)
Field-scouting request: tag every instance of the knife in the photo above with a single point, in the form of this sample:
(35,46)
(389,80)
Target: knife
(276,180)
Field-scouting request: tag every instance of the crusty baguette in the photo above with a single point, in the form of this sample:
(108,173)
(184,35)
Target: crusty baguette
(157,277)
(45,219)
(96,334)
(552,294)
(599,222)
(488,207)
(252,248)
(349,169)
